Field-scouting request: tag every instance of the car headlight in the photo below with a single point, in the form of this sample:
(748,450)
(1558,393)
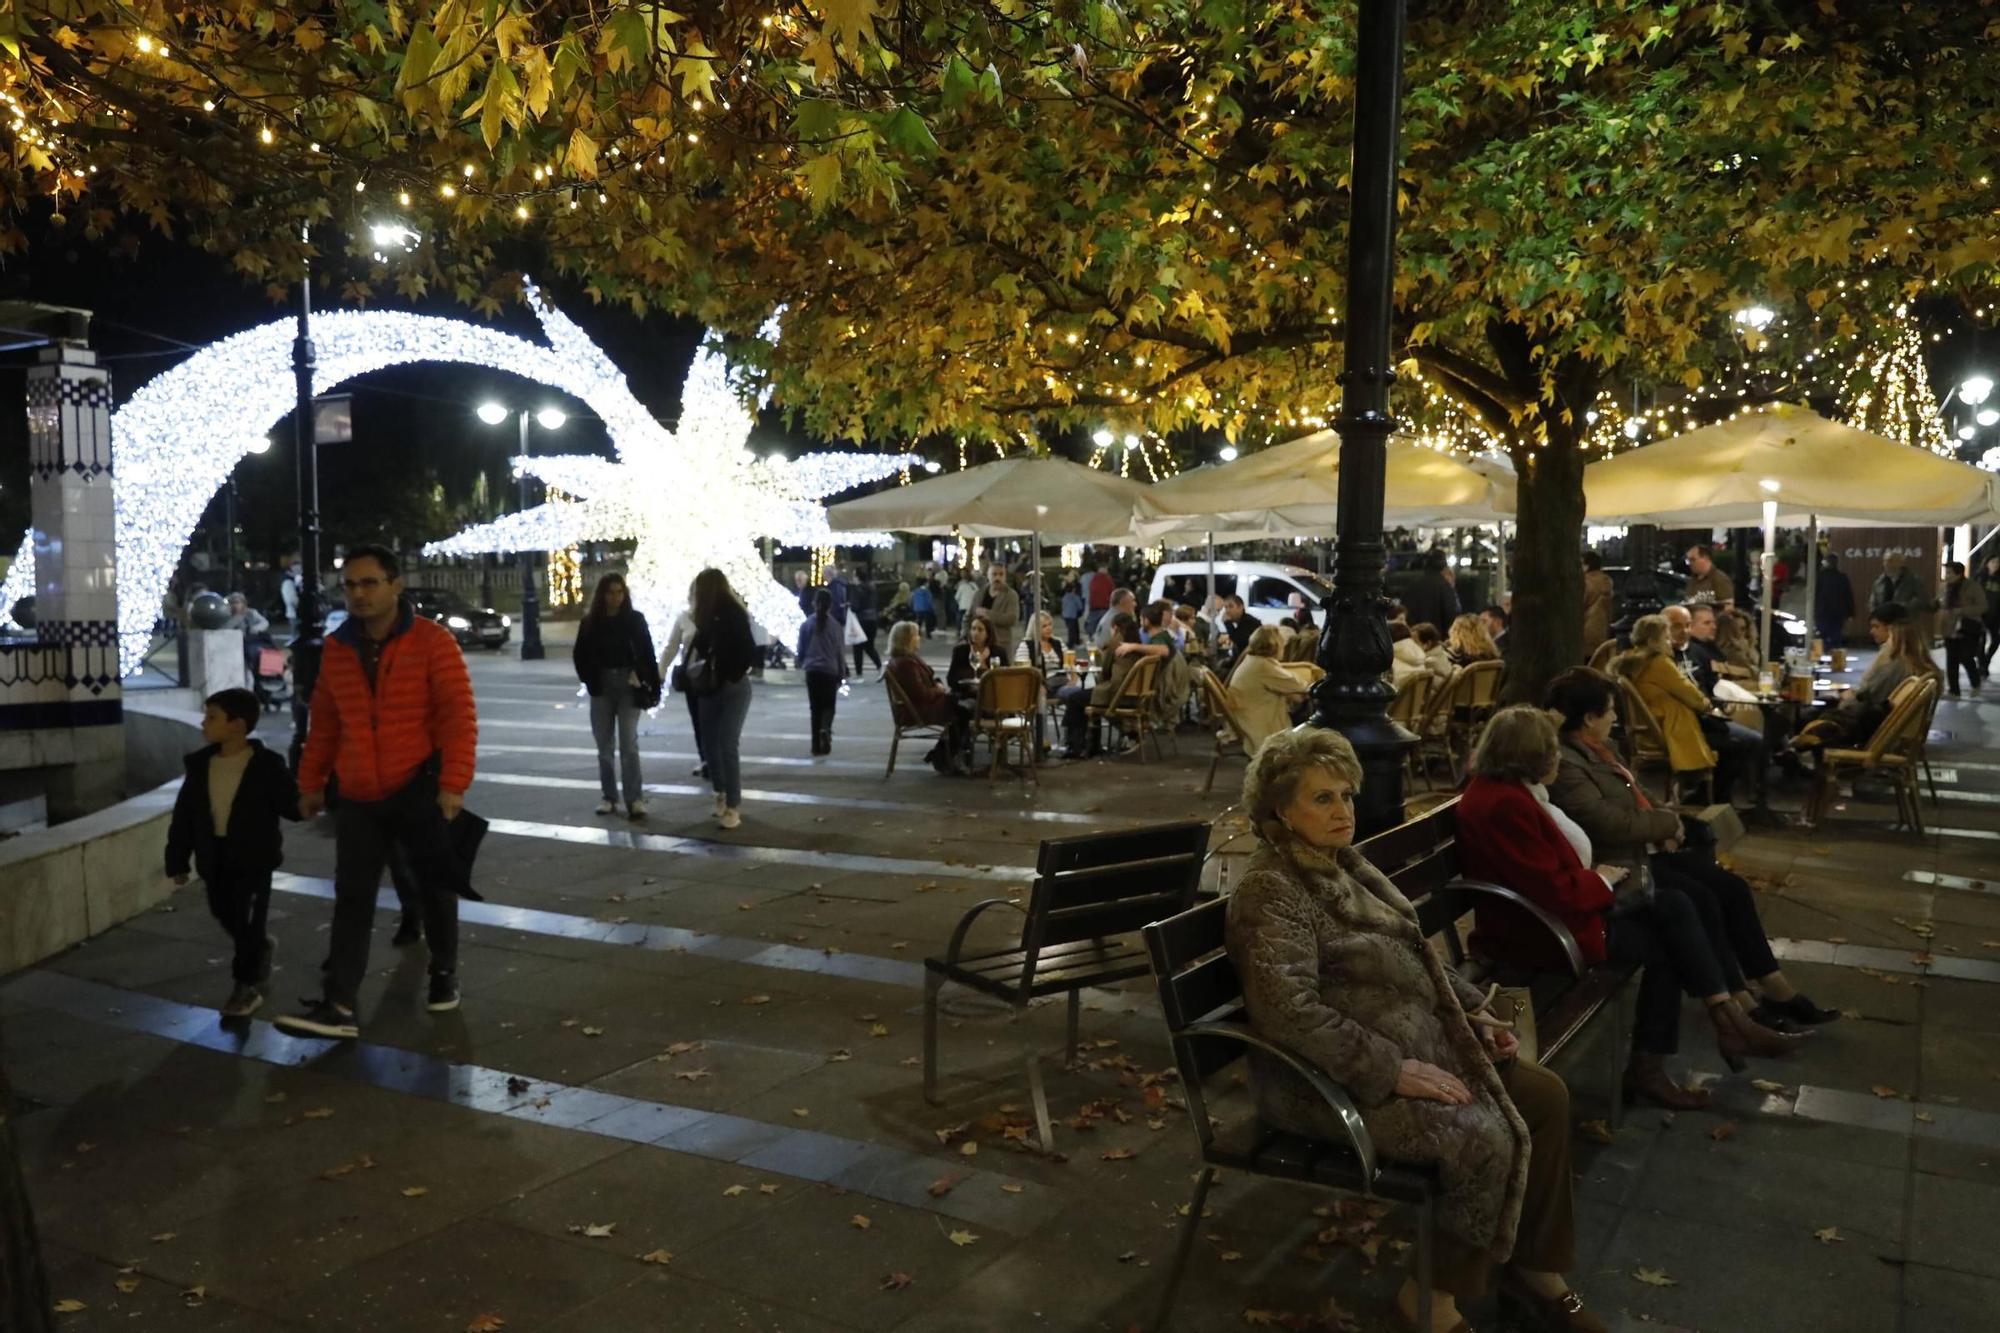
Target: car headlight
(457,622)
(506,621)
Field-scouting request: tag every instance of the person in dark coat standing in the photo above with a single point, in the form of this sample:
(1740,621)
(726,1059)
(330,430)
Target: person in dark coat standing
(1833,602)
(616,662)
(1432,599)
(861,600)
(823,657)
(225,826)
(720,659)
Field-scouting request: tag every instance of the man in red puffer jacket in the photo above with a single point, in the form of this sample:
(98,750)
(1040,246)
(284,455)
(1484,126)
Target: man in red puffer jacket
(393,719)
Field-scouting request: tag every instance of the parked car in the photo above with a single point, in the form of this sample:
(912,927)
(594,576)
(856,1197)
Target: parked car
(468,624)
(1267,589)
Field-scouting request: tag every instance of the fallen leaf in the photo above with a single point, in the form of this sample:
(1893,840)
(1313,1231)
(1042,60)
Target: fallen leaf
(127,1284)
(70,1305)
(950,1132)
(1117,1155)
(316,1113)
(1596,1131)
(896,1281)
(683,1047)
(756,999)
(1230,1256)
(860,1221)
(767,1189)
(961,1238)
(1925,1117)
(163,1237)
(593,1230)
(801,1112)
(735,1190)
(486,1323)
(968,1148)
(878,1029)
(1010,1187)
(415,1191)
(593,1032)
(569,1022)
(194,1296)
(691,1075)
(1725,1130)
(837,1056)
(1829,1236)
(657,1257)
(1854,1014)
(1654,1277)
(1884,1091)
(1766,1085)
(942,1186)
(1128,1256)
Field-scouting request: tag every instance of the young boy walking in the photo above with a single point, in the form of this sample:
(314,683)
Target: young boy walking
(226,822)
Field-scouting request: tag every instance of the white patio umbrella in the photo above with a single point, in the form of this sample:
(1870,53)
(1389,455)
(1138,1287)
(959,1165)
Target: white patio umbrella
(1063,501)
(1293,488)
(1786,464)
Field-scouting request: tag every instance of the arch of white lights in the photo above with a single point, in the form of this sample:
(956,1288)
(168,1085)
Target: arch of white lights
(693,496)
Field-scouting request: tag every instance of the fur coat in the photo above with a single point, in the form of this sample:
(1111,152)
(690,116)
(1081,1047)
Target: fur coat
(1334,965)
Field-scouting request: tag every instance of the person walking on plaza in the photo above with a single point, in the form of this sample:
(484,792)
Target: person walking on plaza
(923,606)
(718,677)
(615,661)
(1899,583)
(1002,606)
(861,600)
(393,720)
(1432,598)
(964,596)
(1833,603)
(1072,613)
(823,657)
(1098,586)
(1989,585)
(1597,592)
(677,642)
(225,825)
(1964,628)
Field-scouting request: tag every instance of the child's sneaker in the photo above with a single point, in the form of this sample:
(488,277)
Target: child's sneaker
(322,1018)
(444,994)
(243,1001)
(607,806)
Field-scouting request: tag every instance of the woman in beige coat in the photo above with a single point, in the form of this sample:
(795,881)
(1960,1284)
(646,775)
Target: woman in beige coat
(1335,966)
(1261,692)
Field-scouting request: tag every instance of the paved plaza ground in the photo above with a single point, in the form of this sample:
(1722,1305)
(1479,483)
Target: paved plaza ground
(683,1091)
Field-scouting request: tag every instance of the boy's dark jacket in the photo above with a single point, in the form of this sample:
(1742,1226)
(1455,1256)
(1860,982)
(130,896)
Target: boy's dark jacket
(255,845)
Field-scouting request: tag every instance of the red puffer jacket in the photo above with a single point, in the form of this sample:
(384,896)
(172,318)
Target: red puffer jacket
(377,739)
(1505,838)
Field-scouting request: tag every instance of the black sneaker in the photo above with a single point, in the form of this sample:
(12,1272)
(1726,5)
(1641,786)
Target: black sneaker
(243,1001)
(408,931)
(322,1018)
(444,993)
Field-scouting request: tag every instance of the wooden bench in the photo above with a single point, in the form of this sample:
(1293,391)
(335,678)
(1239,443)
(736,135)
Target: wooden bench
(1079,929)
(1202,999)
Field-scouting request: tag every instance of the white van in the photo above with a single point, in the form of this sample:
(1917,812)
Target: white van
(1267,590)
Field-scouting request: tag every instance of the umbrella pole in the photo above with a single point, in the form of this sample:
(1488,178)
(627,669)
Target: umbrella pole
(1766,561)
(1812,583)
(1211,573)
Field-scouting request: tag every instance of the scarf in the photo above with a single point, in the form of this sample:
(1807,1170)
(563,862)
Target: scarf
(1602,751)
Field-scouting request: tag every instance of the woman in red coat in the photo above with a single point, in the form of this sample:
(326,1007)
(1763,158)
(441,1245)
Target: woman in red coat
(1509,834)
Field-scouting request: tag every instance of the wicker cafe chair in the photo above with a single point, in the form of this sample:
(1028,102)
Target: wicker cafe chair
(903,721)
(1600,660)
(1896,749)
(1645,742)
(1230,733)
(1132,707)
(1009,698)
(1433,728)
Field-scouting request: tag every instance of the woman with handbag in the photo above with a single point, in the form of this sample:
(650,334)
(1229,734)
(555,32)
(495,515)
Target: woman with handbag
(675,670)
(1627,829)
(823,657)
(717,677)
(1511,835)
(615,661)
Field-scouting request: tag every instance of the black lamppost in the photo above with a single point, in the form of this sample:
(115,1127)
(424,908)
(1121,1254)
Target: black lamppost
(307,632)
(551,418)
(1354,646)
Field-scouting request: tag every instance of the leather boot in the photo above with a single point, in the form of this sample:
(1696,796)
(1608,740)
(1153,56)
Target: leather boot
(1737,1035)
(1646,1080)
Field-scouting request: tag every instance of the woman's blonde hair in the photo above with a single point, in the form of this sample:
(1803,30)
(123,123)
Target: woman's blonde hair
(1281,761)
(1518,745)
(1906,645)
(1266,641)
(1649,640)
(903,638)
(1470,639)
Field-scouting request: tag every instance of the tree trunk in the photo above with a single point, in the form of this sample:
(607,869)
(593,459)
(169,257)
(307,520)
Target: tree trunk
(1547,626)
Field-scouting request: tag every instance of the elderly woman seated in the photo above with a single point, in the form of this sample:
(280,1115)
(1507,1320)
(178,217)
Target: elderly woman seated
(1510,834)
(1469,642)
(931,702)
(1262,693)
(1679,707)
(1335,966)
(1626,829)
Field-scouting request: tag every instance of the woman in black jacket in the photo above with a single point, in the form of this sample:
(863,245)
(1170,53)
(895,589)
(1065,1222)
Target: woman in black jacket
(615,661)
(718,676)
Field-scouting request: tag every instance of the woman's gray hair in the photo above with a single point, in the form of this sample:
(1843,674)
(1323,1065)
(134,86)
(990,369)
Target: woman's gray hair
(1518,745)
(903,638)
(1279,764)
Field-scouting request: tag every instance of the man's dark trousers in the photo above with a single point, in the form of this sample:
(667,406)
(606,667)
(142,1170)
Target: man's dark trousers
(363,834)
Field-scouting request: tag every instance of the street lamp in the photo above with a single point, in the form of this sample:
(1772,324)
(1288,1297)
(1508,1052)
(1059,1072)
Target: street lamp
(1756,317)
(1974,389)
(550,418)
(1227,453)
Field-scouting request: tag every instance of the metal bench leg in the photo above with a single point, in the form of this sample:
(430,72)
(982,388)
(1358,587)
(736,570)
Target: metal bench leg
(1617,1069)
(1041,1099)
(1182,1245)
(895,739)
(933,982)
(1075,1013)
(1426,1250)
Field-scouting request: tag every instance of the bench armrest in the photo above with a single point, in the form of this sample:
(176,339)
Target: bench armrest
(965,924)
(1557,930)
(1359,1141)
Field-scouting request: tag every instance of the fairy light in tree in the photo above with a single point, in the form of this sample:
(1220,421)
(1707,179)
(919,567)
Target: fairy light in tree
(692,496)
(1891,392)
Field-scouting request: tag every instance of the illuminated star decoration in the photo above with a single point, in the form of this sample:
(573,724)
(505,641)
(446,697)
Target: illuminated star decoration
(690,497)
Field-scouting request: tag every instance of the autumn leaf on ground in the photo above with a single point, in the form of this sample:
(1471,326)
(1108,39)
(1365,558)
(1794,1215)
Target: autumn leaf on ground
(1117,1155)
(1829,1236)
(1010,1187)
(316,1113)
(950,1132)
(657,1257)
(415,1191)
(1884,1091)
(878,1029)
(1595,1131)
(593,1230)
(961,1238)
(70,1305)
(860,1221)
(1725,1130)
(801,1112)
(486,1323)
(896,1281)
(683,1047)
(1766,1085)
(1654,1277)
(735,1190)
(593,1032)
(968,1148)
(127,1284)
(1925,1117)
(942,1186)
(163,1237)
(767,1189)
(691,1075)
(194,1296)
(756,999)
(839,1055)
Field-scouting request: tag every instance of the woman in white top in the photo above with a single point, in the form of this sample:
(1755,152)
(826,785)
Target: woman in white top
(1436,659)
(1261,692)
(684,630)
(1406,656)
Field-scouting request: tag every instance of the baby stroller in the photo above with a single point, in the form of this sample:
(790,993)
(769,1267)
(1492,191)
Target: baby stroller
(271,676)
